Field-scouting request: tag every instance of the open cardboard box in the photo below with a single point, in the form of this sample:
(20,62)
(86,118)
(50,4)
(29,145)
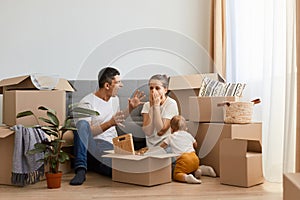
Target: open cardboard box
(241,162)
(210,135)
(20,94)
(146,170)
(206,109)
(291,186)
(7,141)
(181,87)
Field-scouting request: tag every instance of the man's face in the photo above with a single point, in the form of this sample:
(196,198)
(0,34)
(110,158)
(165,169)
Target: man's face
(115,85)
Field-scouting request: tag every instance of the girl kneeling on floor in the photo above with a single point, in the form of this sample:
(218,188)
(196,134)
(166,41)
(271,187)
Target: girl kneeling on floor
(184,144)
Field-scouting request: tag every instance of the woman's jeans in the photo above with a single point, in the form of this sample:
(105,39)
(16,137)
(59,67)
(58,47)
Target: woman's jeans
(88,151)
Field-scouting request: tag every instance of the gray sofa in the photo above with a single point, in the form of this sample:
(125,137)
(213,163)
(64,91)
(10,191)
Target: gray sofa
(134,122)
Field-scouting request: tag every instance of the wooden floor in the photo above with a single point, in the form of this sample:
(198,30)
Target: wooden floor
(100,187)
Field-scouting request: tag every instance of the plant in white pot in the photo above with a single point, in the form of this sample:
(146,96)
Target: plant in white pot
(52,148)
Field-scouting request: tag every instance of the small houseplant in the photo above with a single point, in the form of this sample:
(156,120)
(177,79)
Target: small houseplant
(52,148)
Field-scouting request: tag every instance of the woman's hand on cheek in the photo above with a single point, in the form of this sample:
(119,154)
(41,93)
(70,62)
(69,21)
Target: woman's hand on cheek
(151,101)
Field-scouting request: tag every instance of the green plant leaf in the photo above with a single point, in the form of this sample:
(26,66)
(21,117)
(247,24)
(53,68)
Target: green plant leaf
(40,146)
(60,140)
(46,120)
(86,111)
(47,109)
(41,160)
(75,105)
(35,151)
(53,118)
(53,129)
(63,156)
(78,115)
(24,114)
(47,155)
(50,131)
(68,128)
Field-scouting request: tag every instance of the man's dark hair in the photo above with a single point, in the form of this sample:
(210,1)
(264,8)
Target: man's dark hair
(106,74)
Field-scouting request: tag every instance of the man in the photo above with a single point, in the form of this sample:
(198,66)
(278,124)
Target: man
(94,135)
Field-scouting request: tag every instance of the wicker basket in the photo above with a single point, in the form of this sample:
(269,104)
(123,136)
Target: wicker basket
(239,112)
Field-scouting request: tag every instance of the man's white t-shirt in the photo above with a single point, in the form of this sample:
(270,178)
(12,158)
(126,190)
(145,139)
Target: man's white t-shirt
(106,110)
(168,110)
(181,142)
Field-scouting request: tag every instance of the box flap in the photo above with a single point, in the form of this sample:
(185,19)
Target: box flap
(12,81)
(247,131)
(25,82)
(5,132)
(185,82)
(214,76)
(236,147)
(65,85)
(138,157)
(191,81)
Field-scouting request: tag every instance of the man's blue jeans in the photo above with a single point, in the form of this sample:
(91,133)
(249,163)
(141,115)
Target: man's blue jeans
(88,151)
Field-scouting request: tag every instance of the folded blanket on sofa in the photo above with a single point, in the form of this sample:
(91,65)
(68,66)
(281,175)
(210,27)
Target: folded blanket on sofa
(26,170)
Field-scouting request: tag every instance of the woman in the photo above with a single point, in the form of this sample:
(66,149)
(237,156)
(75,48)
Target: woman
(158,112)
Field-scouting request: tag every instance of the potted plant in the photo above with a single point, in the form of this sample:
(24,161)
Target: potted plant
(52,148)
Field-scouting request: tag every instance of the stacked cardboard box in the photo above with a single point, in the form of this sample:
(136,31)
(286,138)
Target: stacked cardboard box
(206,123)
(182,87)
(291,186)
(241,160)
(20,94)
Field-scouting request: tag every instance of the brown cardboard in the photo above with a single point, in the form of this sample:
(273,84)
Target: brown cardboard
(209,136)
(206,109)
(141,170)
(291,186)
(15,101)
(7,140)
(20,94)
(181,87)
(240,165)
(24,82)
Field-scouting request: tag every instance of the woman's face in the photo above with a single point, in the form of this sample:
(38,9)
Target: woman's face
(157,86)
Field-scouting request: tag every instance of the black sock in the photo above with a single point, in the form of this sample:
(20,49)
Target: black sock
(79,178)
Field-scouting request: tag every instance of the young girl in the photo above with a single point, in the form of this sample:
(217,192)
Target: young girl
(184,144)
(158,112)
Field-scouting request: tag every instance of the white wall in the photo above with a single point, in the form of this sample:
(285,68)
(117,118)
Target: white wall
(73,38)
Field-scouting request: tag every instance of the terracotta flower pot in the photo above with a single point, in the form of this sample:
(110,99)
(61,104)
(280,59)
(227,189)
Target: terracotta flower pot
(53,180)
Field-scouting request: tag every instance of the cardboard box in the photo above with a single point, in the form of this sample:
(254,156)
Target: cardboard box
(141,170)
(25,82)
(206,109)
(7,140)
(209,136)
(20,94)
(240,163)
(291,186)
(181,87)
